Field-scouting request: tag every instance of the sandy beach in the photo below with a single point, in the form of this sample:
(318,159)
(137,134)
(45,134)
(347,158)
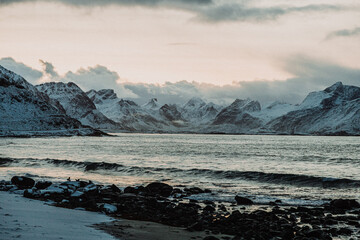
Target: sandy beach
(23,218)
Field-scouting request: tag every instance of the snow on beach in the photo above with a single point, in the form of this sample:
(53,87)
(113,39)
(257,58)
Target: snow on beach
(23,218)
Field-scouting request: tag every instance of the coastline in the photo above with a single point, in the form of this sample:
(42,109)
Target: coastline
(158,211)
(24,218)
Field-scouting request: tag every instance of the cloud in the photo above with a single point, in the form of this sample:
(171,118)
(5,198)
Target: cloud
(309,75)
(344,33)
(49,70)
(97,77)
(30,74)
(243,12)
(207,10)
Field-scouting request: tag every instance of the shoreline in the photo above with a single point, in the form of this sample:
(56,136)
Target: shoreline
(28,219)
(156,207)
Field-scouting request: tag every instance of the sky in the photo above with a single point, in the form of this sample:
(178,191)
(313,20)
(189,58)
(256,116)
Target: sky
(175,49)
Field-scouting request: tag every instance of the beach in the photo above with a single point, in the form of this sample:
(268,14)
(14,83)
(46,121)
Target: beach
(23,218)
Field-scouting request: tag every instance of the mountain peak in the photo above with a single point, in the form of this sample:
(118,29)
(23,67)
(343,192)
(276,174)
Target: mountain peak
(195,102)
(335,87)
(107,94)
(152,104)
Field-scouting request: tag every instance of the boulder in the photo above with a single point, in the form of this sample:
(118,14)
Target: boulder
(158,188)
(345,203)
(115,189)
(243,201)
(43,184)
(23,182)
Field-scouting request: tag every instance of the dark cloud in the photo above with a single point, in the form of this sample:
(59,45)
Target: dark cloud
(243,12)
(31,75)
(344,33)
(206,10)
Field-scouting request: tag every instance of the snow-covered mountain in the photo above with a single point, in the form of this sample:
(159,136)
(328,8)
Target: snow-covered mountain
(128,114)
(152,105)
(198,111)
(334,111)
(77,104)
(55,106)
(26,111)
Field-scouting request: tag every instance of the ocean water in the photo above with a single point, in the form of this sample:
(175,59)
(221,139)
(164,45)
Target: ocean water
(295,169)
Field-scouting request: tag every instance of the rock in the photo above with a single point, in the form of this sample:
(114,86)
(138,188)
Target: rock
(135,190)
(161,189)
(108,208)
(74,184)
(115,189)
(209,209)
(90,188)
(345,203)
(194,190)
(23,182)
(243,201)
(77,194)
(315,234)
(210,238)
(43,184)
(344,231)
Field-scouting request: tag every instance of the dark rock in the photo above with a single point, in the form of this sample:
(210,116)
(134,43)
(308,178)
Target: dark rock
(208,202)
(209,209)
(115,189)
(345,203)
(159,188)
(194,190)
(344,231)
(315,233)
(210,238)
(243,201)
(22,182)
(43,184)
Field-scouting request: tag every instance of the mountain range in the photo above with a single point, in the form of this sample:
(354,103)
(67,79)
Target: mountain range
(58,108)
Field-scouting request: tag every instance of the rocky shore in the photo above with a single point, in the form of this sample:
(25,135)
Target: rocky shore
(161,203)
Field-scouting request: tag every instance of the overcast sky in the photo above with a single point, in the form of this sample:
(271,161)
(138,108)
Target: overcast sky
(174,49)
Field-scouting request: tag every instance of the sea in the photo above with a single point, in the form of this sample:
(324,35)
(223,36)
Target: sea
(298,170)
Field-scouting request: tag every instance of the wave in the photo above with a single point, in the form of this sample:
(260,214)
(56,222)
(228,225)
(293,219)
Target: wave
(275,178)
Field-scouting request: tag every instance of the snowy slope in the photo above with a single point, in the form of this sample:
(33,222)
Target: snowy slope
(128,114)
(77,104)
(26,111)
(152,104)
(198,111)
(336,113)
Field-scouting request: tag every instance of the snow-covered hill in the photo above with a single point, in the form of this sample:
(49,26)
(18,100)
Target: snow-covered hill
(25,111)
(334,111)
(77,104)
(55,106)
(197,111)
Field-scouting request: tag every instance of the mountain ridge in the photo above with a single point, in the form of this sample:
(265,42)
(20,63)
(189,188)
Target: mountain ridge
(332,111)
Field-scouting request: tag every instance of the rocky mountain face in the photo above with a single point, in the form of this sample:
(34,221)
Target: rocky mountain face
(76,104)
(334,111)
(55,106)
(25,111)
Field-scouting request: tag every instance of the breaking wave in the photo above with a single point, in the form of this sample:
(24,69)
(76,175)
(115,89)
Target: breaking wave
(275,178)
